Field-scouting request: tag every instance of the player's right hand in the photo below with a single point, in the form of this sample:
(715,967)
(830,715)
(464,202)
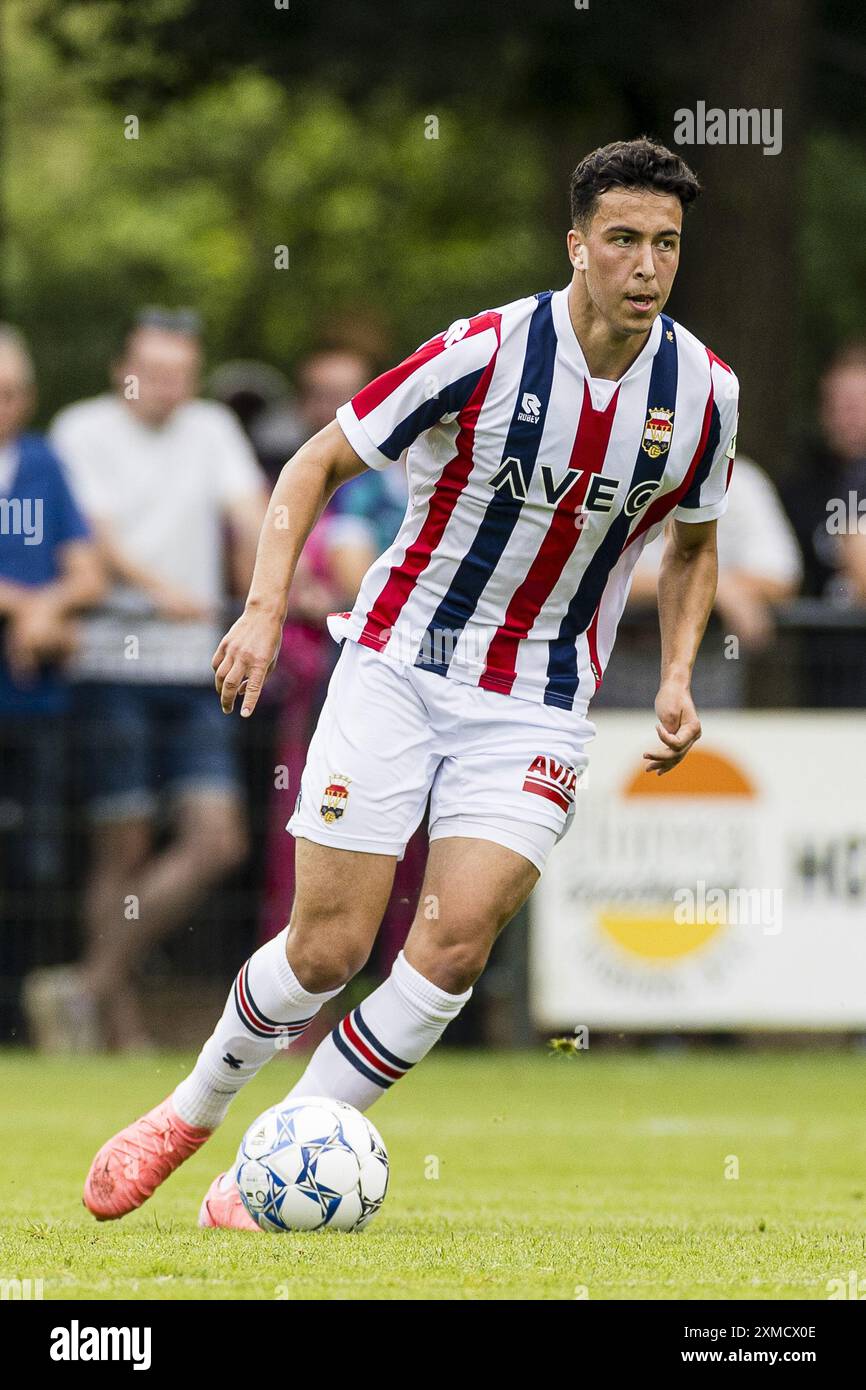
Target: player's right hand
(244,659)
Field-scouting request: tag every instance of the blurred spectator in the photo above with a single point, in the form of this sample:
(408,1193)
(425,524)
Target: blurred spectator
(332,559)
(336,557)
(827,499)
(377,497)
(49,570)
(759,566)
(358,524)
(328,575)
(163,477)
(250,389)
(759,560)
(361,521)
(326,378)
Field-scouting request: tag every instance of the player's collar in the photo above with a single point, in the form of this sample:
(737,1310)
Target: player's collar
(570,347)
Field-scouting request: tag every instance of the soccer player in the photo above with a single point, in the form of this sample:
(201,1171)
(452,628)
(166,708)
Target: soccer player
(548,441)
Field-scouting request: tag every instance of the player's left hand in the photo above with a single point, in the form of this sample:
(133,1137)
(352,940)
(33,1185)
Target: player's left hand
(678,727)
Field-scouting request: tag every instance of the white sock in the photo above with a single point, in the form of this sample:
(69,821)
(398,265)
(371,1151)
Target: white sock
(266,1010)
(380,1040)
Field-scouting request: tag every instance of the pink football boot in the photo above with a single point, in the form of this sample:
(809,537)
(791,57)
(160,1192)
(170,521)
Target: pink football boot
(222,1206)
(130,1167)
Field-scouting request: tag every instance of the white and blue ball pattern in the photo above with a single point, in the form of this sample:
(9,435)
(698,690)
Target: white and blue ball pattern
(312,1163)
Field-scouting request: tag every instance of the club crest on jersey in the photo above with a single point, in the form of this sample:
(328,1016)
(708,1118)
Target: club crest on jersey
(657,432)
(334,798)
(553,779)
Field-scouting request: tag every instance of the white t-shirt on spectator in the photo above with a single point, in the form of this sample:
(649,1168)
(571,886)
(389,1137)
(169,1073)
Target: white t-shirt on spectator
(754,535)
(163,491)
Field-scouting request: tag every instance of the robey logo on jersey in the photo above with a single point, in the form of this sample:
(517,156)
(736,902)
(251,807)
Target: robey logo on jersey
(601,493)
(530,409)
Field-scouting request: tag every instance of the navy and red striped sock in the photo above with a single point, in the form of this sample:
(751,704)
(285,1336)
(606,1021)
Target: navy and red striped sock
(266,1010)
(380,1040)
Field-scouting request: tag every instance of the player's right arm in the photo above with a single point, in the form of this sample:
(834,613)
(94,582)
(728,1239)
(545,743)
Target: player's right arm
(249,649)
(372,430)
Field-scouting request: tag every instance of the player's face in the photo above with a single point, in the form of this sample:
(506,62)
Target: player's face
(164,367)
(628,256)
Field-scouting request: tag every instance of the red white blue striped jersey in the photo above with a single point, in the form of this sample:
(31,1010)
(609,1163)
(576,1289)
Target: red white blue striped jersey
(533,488)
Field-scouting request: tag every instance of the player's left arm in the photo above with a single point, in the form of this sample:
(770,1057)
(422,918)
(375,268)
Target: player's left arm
(686,592)
(689,576)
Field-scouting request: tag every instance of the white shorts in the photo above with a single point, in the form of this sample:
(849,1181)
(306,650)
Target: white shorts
(495,767)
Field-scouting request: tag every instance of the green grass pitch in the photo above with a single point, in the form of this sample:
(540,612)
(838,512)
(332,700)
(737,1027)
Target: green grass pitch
(518,1176)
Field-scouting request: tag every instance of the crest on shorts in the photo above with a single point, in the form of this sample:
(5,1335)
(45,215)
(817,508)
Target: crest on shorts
(334,798)
(657,431)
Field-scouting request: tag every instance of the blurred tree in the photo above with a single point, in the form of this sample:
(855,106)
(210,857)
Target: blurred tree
(379,221)
(743,287)
(305,125)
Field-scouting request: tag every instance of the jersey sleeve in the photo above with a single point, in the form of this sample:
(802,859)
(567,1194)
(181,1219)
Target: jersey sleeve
(437,381)
(707,496)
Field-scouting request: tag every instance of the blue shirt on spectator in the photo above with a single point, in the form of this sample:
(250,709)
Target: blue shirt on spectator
(38,515)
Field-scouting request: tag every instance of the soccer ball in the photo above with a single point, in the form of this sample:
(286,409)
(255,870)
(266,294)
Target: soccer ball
(311,1163)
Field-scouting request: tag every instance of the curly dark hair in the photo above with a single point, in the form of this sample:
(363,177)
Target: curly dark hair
(637,163)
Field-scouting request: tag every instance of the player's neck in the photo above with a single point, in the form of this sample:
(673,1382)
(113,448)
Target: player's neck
(608,355)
